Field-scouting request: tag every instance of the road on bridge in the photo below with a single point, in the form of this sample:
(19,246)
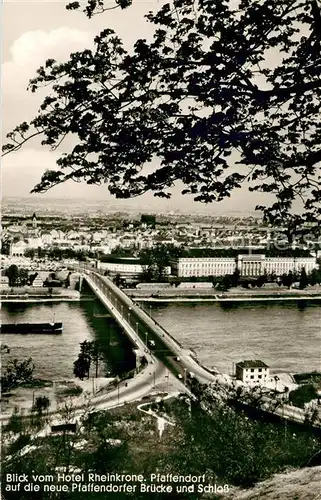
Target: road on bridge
(181,362)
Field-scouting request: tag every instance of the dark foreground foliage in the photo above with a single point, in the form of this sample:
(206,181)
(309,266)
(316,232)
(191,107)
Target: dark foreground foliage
(225,94)
(209,437)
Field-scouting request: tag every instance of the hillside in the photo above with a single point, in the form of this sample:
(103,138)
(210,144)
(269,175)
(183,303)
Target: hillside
(300,484)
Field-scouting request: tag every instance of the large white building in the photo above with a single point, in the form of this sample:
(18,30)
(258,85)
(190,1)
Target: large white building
(249,265)
(257,265)
(18,249)
(203,266)
(122,268)
(129,268)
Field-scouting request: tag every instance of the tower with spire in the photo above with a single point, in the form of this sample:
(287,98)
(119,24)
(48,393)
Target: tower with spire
(34,221)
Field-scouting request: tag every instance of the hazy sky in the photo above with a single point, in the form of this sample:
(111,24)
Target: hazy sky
(35,31)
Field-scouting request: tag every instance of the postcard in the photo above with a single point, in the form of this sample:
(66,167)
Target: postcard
(161,250)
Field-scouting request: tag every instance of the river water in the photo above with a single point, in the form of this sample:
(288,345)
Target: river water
(285,335)
(53,355)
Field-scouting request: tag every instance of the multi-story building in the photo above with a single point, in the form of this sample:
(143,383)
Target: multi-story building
(37,282)
(4,282)
(252,371)
(18,249)
(249,265)
(125,267)
(256,265)
(203,266)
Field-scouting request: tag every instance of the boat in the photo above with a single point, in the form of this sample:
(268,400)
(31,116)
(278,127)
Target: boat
(23,328)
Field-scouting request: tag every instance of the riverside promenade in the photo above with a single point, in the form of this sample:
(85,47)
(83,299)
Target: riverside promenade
(211,295)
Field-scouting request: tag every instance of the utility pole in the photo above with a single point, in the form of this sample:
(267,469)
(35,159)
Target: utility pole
(185,371)
(167,376)
(285,428)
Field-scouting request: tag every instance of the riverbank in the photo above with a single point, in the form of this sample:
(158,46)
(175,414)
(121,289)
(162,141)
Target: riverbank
(75,391)
(226,298)
(230,298)
(212,295)
(33,294)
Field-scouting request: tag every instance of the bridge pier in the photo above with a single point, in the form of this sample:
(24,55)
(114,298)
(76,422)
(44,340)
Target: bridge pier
(81,279)
(103,291)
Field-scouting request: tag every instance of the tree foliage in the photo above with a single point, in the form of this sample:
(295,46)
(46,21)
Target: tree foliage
(155,260)
(303,394)
(17,276)
(17,372)
(90,352)
(226,93)
(241,450)
(209,435)
(13,274)
(304,280)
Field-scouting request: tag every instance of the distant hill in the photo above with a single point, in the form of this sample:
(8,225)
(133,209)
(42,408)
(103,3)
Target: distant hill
(43,204)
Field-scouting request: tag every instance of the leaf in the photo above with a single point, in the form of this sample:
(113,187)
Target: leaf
(200,96)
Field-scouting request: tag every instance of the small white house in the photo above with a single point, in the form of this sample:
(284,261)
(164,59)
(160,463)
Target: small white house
(4,282)
(37,282)
(252,371)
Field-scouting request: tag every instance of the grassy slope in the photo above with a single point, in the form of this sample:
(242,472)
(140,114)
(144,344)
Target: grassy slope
(300,484)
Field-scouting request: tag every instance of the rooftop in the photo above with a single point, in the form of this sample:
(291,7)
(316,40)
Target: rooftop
(252,363)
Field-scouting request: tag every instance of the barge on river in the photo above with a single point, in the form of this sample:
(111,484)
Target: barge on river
(23,328)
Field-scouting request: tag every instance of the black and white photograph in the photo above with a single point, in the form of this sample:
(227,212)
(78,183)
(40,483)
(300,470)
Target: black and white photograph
(160,278)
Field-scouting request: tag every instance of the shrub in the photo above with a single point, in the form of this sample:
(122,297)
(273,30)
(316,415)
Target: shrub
(303,395)
(72,391)
(41,403)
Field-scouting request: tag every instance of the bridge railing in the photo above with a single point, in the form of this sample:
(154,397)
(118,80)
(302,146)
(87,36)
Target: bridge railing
(159,325)
(116,313)
(121,294)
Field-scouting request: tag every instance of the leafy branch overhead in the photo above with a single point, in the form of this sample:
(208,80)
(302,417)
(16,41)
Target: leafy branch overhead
(226,93)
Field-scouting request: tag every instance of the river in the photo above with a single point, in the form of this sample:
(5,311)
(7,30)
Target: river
(285,335)
(53,355)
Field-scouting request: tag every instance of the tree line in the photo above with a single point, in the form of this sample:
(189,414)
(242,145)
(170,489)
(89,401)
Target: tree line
(20,276)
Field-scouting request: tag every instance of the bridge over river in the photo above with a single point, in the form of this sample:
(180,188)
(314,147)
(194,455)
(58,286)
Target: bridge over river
(152,342)
(164,365)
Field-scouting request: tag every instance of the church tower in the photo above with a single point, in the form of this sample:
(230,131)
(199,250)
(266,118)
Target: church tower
(34,221)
